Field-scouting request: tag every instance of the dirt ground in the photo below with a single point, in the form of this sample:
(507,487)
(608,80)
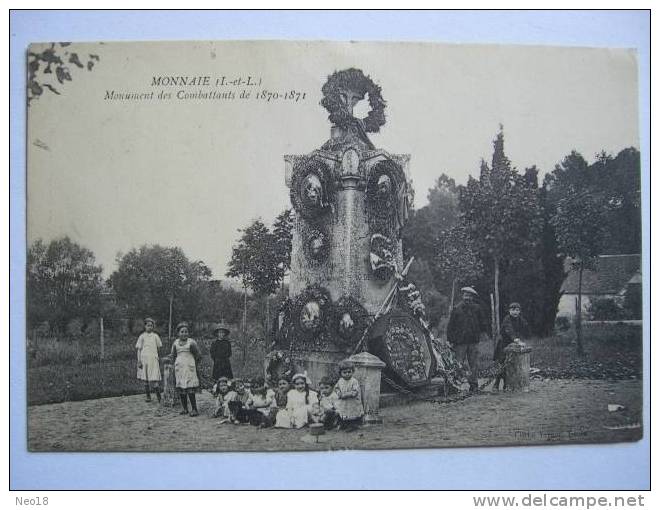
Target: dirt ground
(554,411)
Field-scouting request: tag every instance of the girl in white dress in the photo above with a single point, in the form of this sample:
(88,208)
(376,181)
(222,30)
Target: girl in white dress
(186,355)
(299,402)
(148,367)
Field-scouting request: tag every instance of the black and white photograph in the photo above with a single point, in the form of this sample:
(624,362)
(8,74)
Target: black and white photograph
(288,245)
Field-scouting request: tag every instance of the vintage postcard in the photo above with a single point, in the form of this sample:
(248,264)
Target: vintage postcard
(263,246)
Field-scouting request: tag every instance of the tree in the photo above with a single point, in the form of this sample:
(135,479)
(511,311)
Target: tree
(501,213)
(256,262)
(457,261)
(422,231)
(159,281)
(282,237)
(63,283)
(578,223)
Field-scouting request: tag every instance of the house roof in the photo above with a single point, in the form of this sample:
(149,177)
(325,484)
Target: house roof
(612,274)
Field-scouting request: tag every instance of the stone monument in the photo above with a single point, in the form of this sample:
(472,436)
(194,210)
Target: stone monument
(350,202)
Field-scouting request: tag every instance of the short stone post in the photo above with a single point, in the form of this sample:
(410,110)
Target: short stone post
(517,366)
(170,398)
(367,371)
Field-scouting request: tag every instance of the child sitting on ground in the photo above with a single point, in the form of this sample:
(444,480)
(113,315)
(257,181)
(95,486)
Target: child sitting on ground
(260,403)
(237,409)
(349,403)
(298,404)
(223,395)
(328,403)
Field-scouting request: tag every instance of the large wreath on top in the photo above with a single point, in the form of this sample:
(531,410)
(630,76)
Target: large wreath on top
(354,80)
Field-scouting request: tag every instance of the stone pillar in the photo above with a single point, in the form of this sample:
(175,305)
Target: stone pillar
(367,371)
(170,397)
(517,366)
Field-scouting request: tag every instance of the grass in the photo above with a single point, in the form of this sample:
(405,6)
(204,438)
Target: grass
(72,369)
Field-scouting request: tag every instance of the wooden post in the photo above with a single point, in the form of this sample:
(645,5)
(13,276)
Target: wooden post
(101,335)
(493,323)
(517,366)
(169,327)
(169,397)
(453,290)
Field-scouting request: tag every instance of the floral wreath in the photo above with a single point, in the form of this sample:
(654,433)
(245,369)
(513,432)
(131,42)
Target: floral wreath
(382,210)
(358,314)
(301,171)
(416,370)
(296,333)
(354,80)
(309,235)
(278,364)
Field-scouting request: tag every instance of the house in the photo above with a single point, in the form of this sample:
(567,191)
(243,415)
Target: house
(615,276)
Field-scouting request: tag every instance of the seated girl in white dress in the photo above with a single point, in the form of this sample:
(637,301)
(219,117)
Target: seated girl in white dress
(299,402)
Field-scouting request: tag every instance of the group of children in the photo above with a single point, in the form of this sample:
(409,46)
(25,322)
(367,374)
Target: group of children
(291,404)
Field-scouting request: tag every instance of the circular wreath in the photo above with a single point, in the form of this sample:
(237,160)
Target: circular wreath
(358,316)
(316,246)
(303,332)
(304,172)
(355,81)
(383,185)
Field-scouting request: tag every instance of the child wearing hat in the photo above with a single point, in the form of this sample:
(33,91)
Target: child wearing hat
(514,327)
(221,352)
(299,402)
(349,403)
(148,368)
(186,356)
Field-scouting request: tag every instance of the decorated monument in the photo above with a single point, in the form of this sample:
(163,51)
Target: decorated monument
(348,291)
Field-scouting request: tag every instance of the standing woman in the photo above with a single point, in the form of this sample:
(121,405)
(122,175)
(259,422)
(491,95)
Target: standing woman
(186,356)
(221,352)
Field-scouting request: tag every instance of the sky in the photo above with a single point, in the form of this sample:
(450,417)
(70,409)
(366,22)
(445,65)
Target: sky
(114,174)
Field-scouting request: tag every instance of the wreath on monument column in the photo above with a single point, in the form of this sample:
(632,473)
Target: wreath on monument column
(308,321)
(350,320)
(312,188)
(384,184)
(316,245)
(335,100)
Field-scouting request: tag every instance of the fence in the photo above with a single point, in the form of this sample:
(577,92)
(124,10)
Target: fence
(101,361)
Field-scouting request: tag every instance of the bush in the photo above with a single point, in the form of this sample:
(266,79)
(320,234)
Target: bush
(607,309)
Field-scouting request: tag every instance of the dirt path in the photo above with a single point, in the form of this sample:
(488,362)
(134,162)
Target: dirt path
(554,411)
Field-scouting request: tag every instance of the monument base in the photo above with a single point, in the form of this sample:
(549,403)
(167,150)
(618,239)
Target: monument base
(318,364)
